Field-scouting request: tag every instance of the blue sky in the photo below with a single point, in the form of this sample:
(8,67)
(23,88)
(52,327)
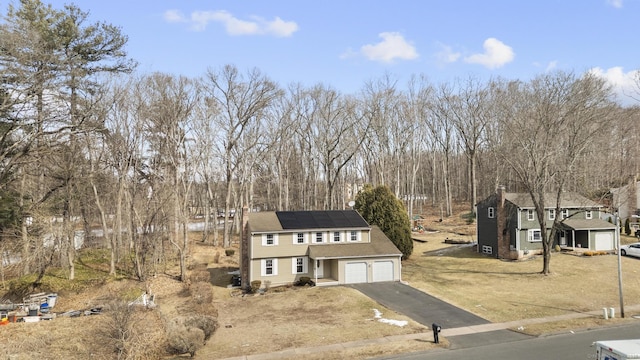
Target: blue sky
(343,44)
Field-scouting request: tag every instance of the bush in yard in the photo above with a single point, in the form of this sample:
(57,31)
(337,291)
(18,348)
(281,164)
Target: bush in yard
(229,252)
(201,292)
(199,275)
(208,324)
(379,206)
(255,285)
(304,280)
(185,340)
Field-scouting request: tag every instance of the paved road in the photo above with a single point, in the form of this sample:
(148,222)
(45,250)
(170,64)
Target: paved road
(566,346)
(418,305)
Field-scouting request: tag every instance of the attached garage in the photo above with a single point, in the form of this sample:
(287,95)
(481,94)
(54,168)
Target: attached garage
(604,241)
(355,272)
(383,271)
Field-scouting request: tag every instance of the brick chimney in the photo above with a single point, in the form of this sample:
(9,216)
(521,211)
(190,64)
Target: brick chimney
(501,223)
(244,249)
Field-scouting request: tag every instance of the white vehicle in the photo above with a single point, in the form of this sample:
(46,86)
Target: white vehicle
(618,349)
(631,250)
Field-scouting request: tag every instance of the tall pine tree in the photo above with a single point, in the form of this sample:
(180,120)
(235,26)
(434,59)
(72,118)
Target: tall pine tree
(379,206)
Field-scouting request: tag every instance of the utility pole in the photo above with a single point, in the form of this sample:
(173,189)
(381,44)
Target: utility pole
(617,219)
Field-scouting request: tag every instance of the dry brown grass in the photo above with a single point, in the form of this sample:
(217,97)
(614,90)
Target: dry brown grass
(306,317)
(511,290)
(298,318)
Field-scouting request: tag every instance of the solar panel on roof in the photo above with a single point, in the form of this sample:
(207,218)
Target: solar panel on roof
(320,219)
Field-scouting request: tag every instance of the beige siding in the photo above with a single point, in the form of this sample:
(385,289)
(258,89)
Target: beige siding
(284,274)
(287,248)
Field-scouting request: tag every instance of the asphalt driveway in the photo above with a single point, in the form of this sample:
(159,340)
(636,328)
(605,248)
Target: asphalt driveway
(417,305)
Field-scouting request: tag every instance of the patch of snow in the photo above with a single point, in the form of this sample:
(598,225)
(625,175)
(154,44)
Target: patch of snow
(378,315)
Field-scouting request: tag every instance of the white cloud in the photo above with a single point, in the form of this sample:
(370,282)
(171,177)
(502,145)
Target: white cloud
(393,46)
(625,85)
(174,16)
(616,3)
(256,26)
(446,54)
(551,66)
(495,55)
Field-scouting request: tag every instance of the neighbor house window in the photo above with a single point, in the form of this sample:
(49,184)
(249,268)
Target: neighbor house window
(318,237)
(299,238)
(269,267)
(565,213)
(530,215)
(552,214)
(353,236)
(269,239)
(535,235)
(491,212)
(336,236)
(588,214)
(299,265)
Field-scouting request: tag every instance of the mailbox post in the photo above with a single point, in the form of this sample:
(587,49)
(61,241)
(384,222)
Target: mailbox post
(436,330)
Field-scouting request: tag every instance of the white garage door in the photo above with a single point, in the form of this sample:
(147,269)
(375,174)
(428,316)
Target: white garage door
(355,273)
(383,271)
(604,241)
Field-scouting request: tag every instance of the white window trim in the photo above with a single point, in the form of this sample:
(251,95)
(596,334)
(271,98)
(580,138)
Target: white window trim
(588,214)
(315,237)
(264,239)
(274,266)
(530,215)
(305,238)
(530,233)
(565,213)
(357,235)
(552,214)
(305,265)
(333,236)
(491,212)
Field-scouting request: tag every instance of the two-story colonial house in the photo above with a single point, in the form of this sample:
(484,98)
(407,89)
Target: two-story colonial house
(330,247)
(508,228)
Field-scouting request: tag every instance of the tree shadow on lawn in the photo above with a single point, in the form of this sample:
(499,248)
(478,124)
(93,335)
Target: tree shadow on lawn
(547,307)
(456,251)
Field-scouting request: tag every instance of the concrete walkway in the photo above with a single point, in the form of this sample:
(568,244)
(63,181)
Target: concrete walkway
(426,336)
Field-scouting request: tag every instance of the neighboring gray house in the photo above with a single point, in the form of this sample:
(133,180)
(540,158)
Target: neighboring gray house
(626,199)
(507,224)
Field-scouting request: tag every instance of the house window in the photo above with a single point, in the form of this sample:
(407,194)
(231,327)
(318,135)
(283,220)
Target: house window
(530,215)
(552,214)
(336,236)
(299,238)
(299,265)
(353,236)
(491,212)
(535,235)
(565,213)
(588,214)
(269,239)
(269,267)
(486,249)
(318,237)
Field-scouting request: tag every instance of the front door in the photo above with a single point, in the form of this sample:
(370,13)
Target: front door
(319,269)
(563,238)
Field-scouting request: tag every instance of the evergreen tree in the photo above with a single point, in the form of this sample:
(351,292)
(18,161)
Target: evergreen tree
(627,227)
(379,206)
